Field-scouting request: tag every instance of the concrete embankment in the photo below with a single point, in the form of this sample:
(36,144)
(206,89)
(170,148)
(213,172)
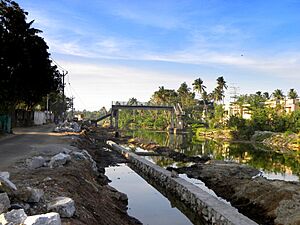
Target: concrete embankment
(212,210)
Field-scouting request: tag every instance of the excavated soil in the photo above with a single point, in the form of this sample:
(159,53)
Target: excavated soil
(265,201)
(96,202)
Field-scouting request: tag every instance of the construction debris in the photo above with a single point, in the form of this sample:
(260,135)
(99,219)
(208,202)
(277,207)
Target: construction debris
(68,127)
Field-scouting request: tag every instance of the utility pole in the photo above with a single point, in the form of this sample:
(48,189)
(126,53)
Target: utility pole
(64,73)
(72,102)
(47,105)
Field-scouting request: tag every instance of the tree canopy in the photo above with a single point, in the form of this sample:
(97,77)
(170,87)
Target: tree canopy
(27,74)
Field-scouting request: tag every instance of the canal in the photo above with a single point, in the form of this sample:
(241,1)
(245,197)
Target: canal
(274,164)
(146,203)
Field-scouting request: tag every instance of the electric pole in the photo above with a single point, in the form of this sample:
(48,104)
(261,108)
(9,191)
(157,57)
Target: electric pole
(64,73)
(72,102)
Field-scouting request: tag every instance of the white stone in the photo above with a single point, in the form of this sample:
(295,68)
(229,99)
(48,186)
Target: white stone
(36,162)
(5,174)
(59,160)
(63,205)
(13,217)
(4,202)
(43,219)
(7,186)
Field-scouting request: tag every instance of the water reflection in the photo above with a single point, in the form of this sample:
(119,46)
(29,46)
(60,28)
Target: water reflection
(274,164)
(144,202)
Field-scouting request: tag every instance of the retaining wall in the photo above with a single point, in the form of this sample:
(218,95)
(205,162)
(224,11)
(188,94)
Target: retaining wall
(212,210)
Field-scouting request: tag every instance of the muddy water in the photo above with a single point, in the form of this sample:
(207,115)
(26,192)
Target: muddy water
(274,164)
(144,202)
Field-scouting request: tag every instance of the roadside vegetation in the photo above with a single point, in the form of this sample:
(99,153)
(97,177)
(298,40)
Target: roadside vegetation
(27,71)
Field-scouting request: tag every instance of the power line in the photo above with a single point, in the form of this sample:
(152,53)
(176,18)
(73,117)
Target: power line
(57,64)
(70,88)
(78,96)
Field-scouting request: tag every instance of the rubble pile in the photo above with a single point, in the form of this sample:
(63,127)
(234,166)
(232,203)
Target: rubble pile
(68,127)
(27,199)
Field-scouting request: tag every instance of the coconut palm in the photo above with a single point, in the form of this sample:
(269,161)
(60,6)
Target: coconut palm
(221,83)
(200,88)
(278,94)
(292,94)
(185,95)
(218,93)
(266,95)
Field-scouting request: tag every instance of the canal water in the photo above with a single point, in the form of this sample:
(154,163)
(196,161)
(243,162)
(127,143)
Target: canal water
(144,202)
(274,164)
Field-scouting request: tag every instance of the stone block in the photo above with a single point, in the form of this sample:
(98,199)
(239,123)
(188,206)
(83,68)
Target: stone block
(59,160)
(43,219)
(63,205)
(13,217)
(35,162)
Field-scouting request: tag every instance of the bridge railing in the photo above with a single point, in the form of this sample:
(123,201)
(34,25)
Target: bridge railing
(138,103)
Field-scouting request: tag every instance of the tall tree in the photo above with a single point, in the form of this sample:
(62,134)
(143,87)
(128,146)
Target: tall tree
(26,71)
(266,95)
(278,94)
(218,93)
(164,96)
(186,96)
(200,88)
(292,94)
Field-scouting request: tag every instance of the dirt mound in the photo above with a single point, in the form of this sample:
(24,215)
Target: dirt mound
(96,202)
(265,201)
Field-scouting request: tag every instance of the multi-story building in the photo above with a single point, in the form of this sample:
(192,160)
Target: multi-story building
(289,105)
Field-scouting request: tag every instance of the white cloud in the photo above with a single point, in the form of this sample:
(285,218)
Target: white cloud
(99,84)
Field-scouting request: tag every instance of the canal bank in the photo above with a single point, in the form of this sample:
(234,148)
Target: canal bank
(260,196)
(208,207)
(144,201)
(231,181)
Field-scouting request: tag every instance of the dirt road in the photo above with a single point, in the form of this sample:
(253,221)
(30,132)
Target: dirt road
(25,142)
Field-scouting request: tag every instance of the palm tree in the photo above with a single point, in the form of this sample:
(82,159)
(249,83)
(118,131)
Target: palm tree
(292,94)
(278,94)
(258,93)
(185,95)
(159,97)
(200,88)
(266,95)
(219,90)
(221,83)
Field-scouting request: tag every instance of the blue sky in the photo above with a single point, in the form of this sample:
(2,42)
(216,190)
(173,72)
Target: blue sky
(115,50)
